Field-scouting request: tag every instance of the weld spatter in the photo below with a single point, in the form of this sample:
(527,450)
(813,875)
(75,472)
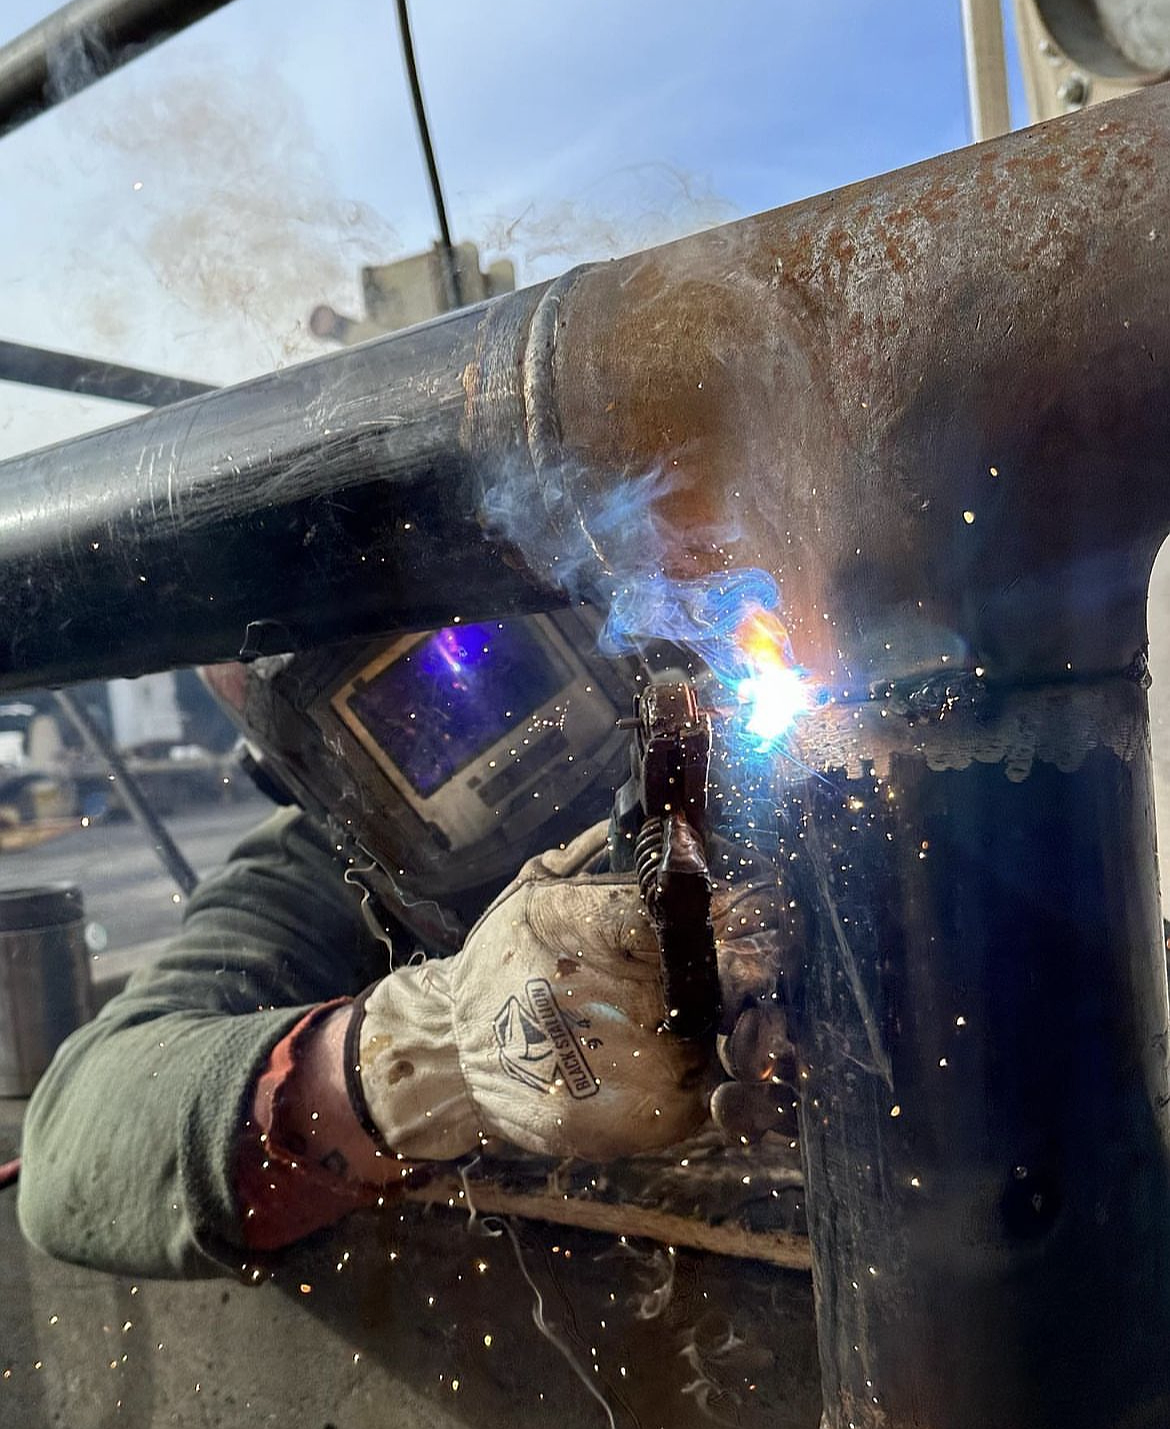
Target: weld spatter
(1054,724)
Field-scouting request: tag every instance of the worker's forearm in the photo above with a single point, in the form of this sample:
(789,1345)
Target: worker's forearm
(129,1138)
(132,1141)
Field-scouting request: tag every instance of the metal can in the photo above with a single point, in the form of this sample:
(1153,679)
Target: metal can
(45,989)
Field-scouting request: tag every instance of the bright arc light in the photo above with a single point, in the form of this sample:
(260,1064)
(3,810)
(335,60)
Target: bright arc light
(776,693)
(776,698)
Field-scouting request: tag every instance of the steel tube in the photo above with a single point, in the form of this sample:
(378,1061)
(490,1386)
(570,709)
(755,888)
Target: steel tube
(937,406)
(987,87)
(170,855)
(90,377)
(332,499)
(982,1021)
(915,401)
(80,43)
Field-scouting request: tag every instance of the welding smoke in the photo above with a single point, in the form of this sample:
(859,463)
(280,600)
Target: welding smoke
(611,547)
(209,204)
(584,540)
(703,615)
(624,210)
(77,57)
(705,1389)
(241,221)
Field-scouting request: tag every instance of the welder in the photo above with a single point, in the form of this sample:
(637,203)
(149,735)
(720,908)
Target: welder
(368,987)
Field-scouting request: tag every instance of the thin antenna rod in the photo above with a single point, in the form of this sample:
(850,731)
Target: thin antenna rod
(455,287)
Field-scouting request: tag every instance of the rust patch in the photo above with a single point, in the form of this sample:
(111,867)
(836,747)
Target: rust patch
(841,247)
(472,383)
(894,256)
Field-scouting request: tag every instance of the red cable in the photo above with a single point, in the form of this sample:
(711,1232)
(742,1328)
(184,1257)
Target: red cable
(9,1173)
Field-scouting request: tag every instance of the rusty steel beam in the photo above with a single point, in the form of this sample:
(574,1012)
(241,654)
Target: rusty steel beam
(918,397)
(937,406)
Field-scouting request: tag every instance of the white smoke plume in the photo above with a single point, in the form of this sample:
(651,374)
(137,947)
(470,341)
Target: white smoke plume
(630,208)
(234,211)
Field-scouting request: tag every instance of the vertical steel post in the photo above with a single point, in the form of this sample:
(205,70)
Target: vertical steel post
(947,435)
(983,1030)
(987,88)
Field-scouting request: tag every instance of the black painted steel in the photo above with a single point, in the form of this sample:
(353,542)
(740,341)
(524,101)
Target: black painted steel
(80,43)
(331,500)
(91,377)
(983,1024)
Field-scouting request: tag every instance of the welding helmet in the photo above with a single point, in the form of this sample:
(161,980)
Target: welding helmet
(440,760)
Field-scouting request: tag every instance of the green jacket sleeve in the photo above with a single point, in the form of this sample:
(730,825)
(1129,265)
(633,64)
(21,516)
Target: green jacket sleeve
(129,1138)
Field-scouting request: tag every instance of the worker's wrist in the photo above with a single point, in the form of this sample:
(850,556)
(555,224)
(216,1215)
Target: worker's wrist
(410,1076)
(311,1115)
(303,1160)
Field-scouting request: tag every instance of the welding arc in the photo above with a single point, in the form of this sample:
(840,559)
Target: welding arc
(91,377)
(455,286)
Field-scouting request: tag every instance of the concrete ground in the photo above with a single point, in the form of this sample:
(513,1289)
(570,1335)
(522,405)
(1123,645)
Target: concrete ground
(411,1318)
(127,891)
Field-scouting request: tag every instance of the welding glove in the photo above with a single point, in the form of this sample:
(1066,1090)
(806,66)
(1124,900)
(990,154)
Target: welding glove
(542,1031)
(758,937)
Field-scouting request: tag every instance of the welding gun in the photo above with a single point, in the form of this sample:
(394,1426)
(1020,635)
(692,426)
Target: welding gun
(659,831)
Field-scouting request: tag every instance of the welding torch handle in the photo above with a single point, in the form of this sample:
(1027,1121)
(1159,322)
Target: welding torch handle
(680,904)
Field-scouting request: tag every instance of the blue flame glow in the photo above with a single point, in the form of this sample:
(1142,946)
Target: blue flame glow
(607,543)
(717,618)
(702,615)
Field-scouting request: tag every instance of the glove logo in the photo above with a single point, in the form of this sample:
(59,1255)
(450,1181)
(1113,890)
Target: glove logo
(538,1042)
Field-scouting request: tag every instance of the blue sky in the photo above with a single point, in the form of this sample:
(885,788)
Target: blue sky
(187,212)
